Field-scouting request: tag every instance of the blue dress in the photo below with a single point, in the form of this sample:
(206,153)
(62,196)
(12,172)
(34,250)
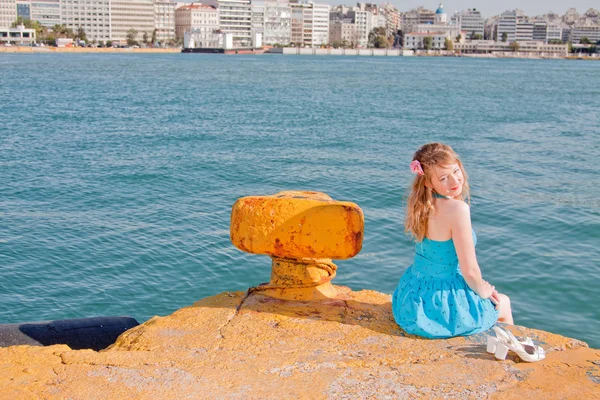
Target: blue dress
(433,299)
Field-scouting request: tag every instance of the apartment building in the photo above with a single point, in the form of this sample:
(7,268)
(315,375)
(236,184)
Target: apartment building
(342,31)
(393,20)
(164,19)
(540,31)
(258,18)
(507,26)
(469,21)
(91,15)
(8,13)
(23,9)
(131,14)
(309,23)
(278,28)
(524,32)
(554,32)
(235,17)
(320,34)
(412,18)
(592,32)
(46,12)
(200,18)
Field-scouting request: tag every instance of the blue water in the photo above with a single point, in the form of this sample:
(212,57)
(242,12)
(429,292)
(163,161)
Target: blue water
(119,173)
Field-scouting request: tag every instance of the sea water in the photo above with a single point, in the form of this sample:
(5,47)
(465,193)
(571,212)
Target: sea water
(119,172)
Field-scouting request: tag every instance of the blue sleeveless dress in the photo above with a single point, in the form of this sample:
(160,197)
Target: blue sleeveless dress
(433,299)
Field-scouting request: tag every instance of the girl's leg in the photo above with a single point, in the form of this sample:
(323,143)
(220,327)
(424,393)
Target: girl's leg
(505,315)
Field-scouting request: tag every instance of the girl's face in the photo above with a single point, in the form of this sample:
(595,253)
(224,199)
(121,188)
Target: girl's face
(447,180)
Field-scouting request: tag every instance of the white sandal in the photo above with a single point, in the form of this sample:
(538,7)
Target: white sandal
(505,341)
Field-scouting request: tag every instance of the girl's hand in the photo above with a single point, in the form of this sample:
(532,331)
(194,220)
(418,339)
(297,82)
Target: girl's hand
(486,290)
(495,298)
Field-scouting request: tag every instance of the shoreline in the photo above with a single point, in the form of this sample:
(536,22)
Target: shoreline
(51,50)
(300,52)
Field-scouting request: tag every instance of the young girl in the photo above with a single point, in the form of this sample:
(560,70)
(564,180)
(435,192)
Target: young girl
(442,294)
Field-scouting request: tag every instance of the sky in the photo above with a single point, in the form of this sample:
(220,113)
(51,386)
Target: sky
(487,8)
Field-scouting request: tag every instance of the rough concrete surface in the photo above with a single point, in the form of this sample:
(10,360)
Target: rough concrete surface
(240,345)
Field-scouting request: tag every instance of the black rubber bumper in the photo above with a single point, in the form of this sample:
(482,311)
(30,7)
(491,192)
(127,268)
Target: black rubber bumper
(81,333)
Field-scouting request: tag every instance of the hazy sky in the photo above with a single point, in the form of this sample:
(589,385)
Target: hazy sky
(487,8)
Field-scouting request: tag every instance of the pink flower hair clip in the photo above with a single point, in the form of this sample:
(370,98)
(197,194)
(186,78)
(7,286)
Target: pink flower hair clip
(416,168)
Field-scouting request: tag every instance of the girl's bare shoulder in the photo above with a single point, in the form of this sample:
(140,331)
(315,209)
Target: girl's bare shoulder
(457,208)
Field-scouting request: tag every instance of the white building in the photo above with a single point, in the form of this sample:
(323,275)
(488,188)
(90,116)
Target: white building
(278,25)
(164,19)
(8,13)
(320,24)
(19,35)
(258,18)
(506,27)
(533,48)
(439,26)
(46,12)
(590,32)
(524,32)
(414,40)
(202,19)
(235,16)
(131,14)
(540,31)
(470,21)
(554,32)
(92,16)
(364,21)
(309,23)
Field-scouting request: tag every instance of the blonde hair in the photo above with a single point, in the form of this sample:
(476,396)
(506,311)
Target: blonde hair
(420,200)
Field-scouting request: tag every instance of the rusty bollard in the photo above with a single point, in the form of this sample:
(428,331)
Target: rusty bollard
(302,232)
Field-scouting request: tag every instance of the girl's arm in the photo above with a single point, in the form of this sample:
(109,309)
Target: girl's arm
(462,236)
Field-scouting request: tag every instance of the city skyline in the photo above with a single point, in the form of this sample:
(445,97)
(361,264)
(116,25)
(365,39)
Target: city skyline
(530,7)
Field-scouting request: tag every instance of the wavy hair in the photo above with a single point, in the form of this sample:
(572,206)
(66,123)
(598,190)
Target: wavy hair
(420,199)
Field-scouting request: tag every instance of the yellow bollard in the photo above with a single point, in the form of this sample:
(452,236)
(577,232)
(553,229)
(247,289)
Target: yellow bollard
(302,232)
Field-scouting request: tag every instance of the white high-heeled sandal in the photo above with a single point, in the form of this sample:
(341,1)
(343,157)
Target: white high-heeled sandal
(505,341)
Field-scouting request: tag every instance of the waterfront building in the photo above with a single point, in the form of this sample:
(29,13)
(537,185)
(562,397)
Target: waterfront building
(8,13)
(200,18)
(92,16)
(516,26)
(235,17)
(320,24)
(412,18)
(164,19)
(364,21)
(393,20)
(540,31)
(507,26)
(343,31)
(440,26)
(554,32)
(46,12)
(131,14)
(23,8)
(297,23)
(533,48)
(592,32)
(309,23)
(258,18)
(470,21)
(414,40)
(19,35)
(278,28)
(524,30)
(566,35)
